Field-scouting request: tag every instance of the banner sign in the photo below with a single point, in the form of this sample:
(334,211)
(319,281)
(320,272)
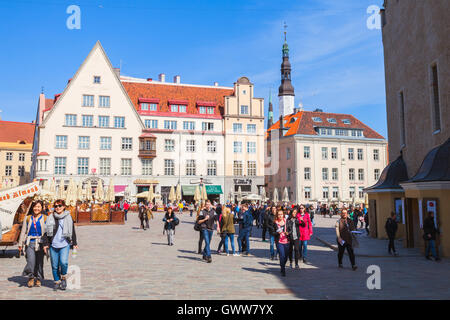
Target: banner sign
(11,199)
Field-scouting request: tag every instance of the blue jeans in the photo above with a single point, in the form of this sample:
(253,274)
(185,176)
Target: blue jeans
(231,237)
(304,248)
(283,251)
(272,246)
(431,246)
(244,234)
(60,261)
(207,235)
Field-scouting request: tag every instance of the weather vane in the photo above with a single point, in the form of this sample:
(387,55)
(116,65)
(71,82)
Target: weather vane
(285,30)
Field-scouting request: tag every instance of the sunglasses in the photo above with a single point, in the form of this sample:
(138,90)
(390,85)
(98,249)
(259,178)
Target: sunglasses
(59,206)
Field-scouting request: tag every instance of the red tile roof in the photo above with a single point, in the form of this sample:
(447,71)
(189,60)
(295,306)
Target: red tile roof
(48,104)
(302,123)
(11,131)
(191,95)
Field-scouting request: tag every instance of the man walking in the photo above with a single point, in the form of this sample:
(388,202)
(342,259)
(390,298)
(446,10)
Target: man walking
(244,230)
(207,225)
(429,235)
(391,230)
(344,227)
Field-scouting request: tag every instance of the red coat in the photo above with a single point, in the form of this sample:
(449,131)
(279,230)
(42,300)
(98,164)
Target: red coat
(306,231)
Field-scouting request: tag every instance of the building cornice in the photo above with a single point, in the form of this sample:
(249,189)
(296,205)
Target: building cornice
(428,185)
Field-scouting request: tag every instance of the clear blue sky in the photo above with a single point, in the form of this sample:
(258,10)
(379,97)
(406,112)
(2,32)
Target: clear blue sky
(337,61)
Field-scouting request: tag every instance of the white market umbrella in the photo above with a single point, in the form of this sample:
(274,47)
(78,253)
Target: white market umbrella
(178,193)
(71,196)
(110,195)
(80,192)
(239,195)
(89,191)
(99,192)
(285,195)
(197,194)
(204,194)
(172,196)
(61,193)
(150,195)
(275,196)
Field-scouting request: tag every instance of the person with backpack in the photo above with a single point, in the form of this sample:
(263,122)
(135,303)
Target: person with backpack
(33,229)
(245,227)
(169,226)
(391,230)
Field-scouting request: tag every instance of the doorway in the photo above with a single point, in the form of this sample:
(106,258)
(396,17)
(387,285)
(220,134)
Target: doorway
(373,226)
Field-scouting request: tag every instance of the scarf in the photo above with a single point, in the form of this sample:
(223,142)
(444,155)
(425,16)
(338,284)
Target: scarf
(294,229)
(67,224)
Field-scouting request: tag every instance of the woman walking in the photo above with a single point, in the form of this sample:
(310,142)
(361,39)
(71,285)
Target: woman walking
(293,230)
(201,238)
(169,226)
(306,231)
(272,231)
(228,230)
(344,227)
(282,241)
(60,237)
(33,228)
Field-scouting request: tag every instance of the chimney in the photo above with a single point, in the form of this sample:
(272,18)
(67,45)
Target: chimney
(216,84)
(176,79)
(41,108)
(149,79)
(162,77)
(117,71)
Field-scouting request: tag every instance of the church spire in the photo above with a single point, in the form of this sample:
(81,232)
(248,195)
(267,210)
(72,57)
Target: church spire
(286,90)
(270,121)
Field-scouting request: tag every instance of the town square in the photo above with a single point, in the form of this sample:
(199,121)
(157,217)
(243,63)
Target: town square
(266,151)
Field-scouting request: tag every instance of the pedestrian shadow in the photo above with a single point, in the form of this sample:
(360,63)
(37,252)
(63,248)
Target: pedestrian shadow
(159,243)
(22,281)
(188,222)
(4,254)
(191,258)
(187,251)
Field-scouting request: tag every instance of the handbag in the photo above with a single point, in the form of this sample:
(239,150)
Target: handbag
(197,227)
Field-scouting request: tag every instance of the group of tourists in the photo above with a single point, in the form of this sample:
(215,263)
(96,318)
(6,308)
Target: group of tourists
(47,233)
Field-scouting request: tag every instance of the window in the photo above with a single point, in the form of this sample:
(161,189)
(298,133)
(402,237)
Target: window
(207,126)
(125,167)
(317,119)
(351,174)
(324,153)
(334,153)
(211,146)
(105,143)
(436,102)
(307,192)
(119,122)
(103,101)
(325,193)
(237,127)
(149,106)
(335,192)
(251,147)
(169,167)
(190,167)
(83,166)
(96,79)
(351,155)
(244,109)
(21,156)
(307,173)
(346,121)
(177,108)
(376,174)
(306,153)
(376,154)
(251,168)
(21,172)
(288,174)
(212,168)
(169,145)
(8,170)
(105,166)
(360,174)
(84,142)
(87,121)
(334,174)
(237,147)
(210,110)
(170,125)
(288,153)
(352,192)
(152,124)
(251,128)
(360,154)
(61,142)
(202,110)
(402,118)
(361,192)
(60,165)
(127,143)
(103,121)
(237,168)
(88,100)
(341,132)
(325,174)
(331,120)
(9,155)
(42,164)
(71,120)
(190,146)
(188,125)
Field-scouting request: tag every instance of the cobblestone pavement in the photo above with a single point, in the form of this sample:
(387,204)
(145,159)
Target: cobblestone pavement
(124,262)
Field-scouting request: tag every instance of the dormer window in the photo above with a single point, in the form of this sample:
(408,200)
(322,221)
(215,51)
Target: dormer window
(202,110)
(206,107)
(177,108)
(147,104)
(331,120)
(346,121)
(97,79)
(317,119)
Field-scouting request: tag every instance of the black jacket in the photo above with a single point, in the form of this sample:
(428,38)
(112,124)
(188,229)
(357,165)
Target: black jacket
(291,224)
(391,227)
(169,225)
(429,228)
(47,241)
(271,227)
